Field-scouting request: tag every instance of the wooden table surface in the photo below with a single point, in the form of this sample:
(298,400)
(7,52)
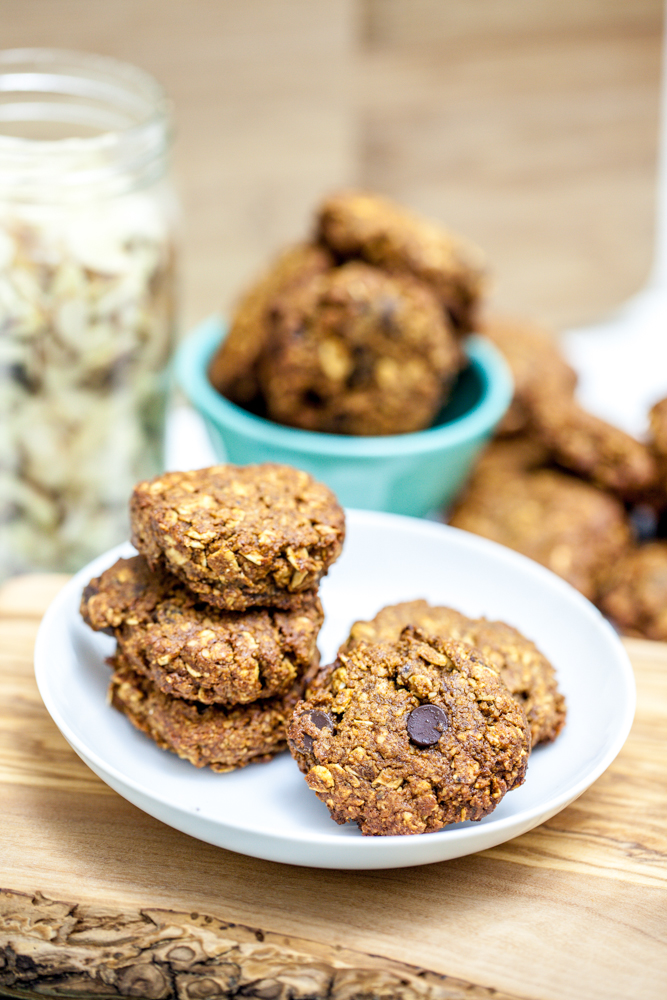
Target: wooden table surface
(99,899)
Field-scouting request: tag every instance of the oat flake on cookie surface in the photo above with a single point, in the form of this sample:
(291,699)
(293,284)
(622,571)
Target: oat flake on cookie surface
(240,536)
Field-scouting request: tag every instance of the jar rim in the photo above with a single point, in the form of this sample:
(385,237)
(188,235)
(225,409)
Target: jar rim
(126,106)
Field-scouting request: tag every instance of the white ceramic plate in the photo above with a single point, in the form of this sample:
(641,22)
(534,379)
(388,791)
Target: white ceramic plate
(267,810)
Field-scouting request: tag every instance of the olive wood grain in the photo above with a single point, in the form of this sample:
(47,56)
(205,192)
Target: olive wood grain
(98,899)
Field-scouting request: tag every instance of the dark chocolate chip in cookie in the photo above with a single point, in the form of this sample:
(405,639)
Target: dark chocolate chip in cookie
(426,724)
(322,721)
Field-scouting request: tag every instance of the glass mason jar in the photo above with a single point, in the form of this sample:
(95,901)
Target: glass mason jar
(87,218)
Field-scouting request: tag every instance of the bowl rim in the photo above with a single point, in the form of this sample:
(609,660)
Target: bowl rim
(194,354)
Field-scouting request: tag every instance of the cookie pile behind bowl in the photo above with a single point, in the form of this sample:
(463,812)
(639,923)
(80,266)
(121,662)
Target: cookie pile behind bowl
(570,490)
(350,357)
(216,619)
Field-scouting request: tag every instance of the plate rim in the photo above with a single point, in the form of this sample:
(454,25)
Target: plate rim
(379,850)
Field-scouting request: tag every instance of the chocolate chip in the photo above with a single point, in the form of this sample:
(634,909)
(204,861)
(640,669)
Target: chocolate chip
(426,724)
(312,398)
(319,719)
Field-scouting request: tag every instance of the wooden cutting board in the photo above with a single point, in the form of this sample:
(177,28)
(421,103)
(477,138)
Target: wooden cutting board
(98,899)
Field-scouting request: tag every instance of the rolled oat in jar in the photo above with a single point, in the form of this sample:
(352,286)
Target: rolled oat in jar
(86,301)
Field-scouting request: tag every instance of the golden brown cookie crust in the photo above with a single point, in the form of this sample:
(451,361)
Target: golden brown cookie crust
(192,650)
(537,365)
(571,527)
(366,766)
(635,592)
(592,448)
(525,671)
(358,351)
(240,536)
(206,735)
(233,369)
(357,224)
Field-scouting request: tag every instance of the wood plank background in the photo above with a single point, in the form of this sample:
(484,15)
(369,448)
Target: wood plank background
(529,127)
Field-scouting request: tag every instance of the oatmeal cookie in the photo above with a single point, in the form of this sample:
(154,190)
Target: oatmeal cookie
(192,650)
(538,368)
(240,536)
(571,527)
(224,738)
(658,424)
(357,224)
(405,737)
(233,369)
(511,456)
(592,448)
(358,351)
(524,670)
(635,592)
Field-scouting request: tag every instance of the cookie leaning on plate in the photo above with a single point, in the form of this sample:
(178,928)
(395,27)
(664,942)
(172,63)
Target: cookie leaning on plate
(240,536)
(405,737)
(192,650)
(526,672)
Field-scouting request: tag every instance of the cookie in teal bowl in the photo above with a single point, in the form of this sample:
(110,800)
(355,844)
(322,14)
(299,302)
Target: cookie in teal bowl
(414,474)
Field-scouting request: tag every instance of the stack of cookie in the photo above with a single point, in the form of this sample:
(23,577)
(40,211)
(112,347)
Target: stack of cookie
(217,618)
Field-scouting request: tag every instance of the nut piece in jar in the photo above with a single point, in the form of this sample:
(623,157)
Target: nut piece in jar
(87,299)
(358,351)
(240,536)
(525,671)
(222,738)
(405,737)
(570,526)
(233,369)
(188,648)
(367,226)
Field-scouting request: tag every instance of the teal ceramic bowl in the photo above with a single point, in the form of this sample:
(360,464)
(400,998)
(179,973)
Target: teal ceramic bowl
(413,474)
